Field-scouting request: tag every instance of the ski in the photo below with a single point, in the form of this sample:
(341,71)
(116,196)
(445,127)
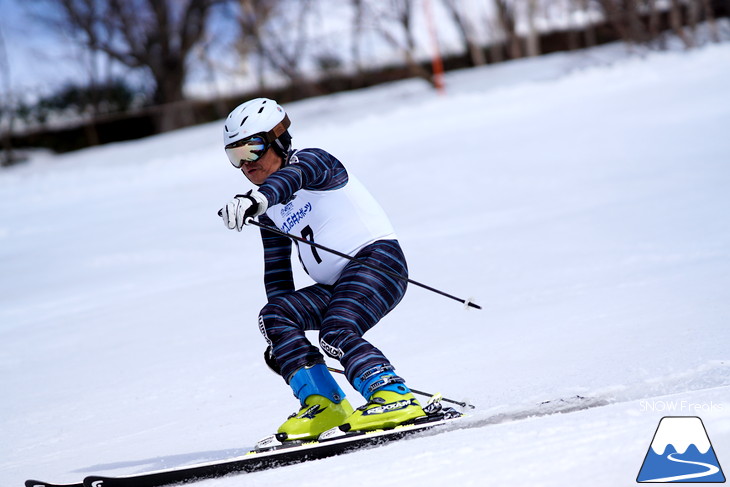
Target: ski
(40,483)
(272,453)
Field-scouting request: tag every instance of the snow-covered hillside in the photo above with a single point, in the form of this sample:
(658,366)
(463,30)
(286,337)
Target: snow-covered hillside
(581,198)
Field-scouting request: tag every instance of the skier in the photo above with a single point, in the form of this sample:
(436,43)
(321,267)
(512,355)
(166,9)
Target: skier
(309,193)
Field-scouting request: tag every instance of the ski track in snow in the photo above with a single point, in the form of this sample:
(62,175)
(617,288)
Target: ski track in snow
(580,197)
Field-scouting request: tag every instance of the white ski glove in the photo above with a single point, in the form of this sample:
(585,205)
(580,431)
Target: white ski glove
(242,208)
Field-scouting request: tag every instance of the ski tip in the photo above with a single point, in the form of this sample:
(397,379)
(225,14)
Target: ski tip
(36,483)
(40,483)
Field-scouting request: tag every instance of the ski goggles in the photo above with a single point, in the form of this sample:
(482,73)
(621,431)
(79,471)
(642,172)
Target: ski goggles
(247,150)
(252,148)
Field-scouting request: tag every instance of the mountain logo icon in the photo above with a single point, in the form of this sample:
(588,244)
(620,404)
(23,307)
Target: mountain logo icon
(681,452)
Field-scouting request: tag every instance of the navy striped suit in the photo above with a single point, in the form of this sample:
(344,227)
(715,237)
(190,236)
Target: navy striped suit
(343,311)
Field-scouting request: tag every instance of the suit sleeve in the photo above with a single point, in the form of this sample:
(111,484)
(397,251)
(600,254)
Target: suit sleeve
(311,169)
(278,277)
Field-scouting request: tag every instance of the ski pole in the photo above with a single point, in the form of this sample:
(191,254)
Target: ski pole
(467,302)
(421,393)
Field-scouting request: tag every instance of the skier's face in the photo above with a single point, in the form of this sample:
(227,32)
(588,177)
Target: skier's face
(257,171)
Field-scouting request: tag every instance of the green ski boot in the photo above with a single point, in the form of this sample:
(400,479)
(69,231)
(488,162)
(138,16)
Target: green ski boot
(385,409)
(390,402)
(316,416)
(323,404)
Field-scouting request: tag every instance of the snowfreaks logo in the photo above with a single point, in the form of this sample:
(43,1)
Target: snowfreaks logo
(680,452)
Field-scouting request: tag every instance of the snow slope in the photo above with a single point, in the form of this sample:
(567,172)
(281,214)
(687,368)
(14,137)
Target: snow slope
(580,198)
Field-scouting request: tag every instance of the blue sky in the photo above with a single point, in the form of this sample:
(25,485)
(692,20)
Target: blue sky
(38,60)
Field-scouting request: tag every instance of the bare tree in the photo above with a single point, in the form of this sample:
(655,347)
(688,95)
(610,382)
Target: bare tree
(466,30)
(495,40)
(357,30)
(507,19)
(625,17)
(155,35)
(589,30)
(654,25)
(90,55)
(7,108)
(710,16)
(675,21)
(698,10)
(253,16)
(281,35)
(400,13)
(533,36)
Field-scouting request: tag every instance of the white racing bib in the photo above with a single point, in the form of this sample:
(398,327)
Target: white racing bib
(344,219)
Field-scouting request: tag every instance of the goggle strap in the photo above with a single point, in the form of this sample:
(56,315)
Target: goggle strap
(279,129)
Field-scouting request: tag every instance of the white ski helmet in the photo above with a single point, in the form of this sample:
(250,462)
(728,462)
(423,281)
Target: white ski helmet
(262,118)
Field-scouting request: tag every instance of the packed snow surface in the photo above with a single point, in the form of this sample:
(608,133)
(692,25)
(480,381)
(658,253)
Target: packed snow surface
(582,199)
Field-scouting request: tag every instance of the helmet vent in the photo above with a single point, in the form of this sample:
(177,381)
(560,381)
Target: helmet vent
(243,121)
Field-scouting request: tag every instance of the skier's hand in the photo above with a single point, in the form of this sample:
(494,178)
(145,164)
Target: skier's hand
(243,207)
